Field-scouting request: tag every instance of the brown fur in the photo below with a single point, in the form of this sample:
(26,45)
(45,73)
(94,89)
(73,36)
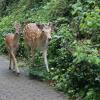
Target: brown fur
(11,42)
(36,38)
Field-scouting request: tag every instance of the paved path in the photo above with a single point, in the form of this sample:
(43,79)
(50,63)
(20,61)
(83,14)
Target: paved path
(22,88)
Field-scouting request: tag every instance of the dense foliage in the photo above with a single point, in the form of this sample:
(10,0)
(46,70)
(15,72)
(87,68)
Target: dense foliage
(74,52)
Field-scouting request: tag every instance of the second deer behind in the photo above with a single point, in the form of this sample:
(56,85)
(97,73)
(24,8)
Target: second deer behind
(12,43)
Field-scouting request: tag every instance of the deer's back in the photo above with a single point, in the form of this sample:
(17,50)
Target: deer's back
(10,42)
(31,33)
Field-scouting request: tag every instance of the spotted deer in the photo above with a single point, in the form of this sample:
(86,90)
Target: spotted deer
(37,36)
(12,43)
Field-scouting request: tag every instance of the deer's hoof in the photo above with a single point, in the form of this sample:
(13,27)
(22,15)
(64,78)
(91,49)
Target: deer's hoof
(9,68)
(17,73)
(13,71)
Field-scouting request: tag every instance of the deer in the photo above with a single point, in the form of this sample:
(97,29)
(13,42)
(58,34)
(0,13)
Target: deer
(37,37)
(12,44)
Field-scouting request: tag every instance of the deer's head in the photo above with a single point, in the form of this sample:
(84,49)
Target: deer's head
(17,27)
(46,29)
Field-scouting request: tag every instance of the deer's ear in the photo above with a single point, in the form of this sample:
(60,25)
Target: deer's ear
(51,24)
(40,26)
(17,25)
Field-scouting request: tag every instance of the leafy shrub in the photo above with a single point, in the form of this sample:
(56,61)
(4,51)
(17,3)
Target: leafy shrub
(84,73)
(60,48)
(92,94)
(91,24)
(2,45)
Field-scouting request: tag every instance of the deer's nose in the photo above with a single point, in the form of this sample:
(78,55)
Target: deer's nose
(49,39)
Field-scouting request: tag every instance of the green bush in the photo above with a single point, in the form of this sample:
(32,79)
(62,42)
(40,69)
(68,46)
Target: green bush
(92,94)
(2,45)
(91,24)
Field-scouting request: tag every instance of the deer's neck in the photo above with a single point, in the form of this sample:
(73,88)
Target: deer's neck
(43,41)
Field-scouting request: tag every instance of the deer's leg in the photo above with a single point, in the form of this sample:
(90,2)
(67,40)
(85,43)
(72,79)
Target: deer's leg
(32,56)
(14,69)
(27,52)
(15,62)
(10,63)
(45,59)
